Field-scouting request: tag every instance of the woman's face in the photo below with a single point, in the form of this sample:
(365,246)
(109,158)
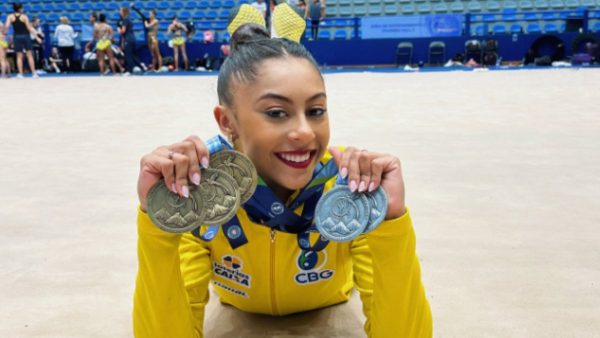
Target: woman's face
(280,121)
(152,15)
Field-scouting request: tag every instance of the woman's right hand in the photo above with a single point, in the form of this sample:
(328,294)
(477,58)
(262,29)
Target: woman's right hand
(178,164)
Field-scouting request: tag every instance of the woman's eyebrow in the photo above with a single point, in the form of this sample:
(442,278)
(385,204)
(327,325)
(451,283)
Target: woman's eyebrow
(274,96)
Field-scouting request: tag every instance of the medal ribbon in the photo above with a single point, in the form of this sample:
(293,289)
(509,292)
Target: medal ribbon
(265,208)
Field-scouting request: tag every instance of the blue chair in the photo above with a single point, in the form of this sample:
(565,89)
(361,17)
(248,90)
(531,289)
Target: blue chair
(375,10)
(474,7)
(437,53)
(596,27)
(510,4)
(516,28)
(550,15)
(198,15)
(150,5)
(185,15)
(224,14)
(113,6)
(391,10)
(34,8)
(163,5)
(212,15)
(190,5)
(53,18)
(73,7)
(216,4)
(404,52)
(203,4)
(99,7)
(219,25)
(440,8)
(170,14)
(204,25)
(345,11)
(530,16)
(479,30)
(340,34)
(533,28)
(457,7)
(79,17)
(177,5)
(48,8)
(489,18)
(229,4)
(492,6)
(324,35)
(499,29)
(115,17)
(525,5)
(360,11)
(550,28)
(509,14)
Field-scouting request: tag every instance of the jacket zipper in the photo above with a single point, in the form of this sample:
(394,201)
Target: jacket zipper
(274,306)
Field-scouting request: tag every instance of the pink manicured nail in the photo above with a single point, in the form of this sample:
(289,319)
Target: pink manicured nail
(173,188)
(353,185)
(371,186)
(196,179)
(344,172)
(362,186)
(185,191)
(204,162)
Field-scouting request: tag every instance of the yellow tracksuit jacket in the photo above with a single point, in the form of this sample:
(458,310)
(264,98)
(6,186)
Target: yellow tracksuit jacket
(270,275)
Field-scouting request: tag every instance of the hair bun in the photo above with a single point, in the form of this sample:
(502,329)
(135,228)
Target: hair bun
(247,33)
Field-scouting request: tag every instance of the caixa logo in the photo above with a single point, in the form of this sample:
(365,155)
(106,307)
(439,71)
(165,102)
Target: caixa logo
(311,265)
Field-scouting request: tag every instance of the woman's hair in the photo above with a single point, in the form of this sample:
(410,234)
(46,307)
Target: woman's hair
(153,11)
(125,10)
(102,17)
(17,6)
(250,46)
(94,15)
(64,20)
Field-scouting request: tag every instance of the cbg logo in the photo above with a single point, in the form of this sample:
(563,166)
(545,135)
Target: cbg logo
(310,264)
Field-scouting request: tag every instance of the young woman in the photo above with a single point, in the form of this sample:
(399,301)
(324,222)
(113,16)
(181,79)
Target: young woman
(21,39)
(152,27)
(178,30)
(3,47)
(273,108)
(103,34)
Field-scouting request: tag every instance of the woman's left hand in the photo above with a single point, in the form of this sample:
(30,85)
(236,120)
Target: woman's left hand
(366,171)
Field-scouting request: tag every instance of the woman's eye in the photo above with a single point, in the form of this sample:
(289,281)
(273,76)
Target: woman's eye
(276,113)
(317,112)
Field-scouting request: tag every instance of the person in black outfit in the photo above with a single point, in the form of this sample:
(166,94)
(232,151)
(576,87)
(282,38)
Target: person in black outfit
(38,47)
(128,41)
(21,37)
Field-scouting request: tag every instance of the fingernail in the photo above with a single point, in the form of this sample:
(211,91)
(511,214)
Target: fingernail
(204,162)
(344,172)
(173,188)
(371,186)
(353,185)
(185,191)
(196,179)
(362,186)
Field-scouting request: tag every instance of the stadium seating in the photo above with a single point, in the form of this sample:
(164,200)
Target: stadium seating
(488,16)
